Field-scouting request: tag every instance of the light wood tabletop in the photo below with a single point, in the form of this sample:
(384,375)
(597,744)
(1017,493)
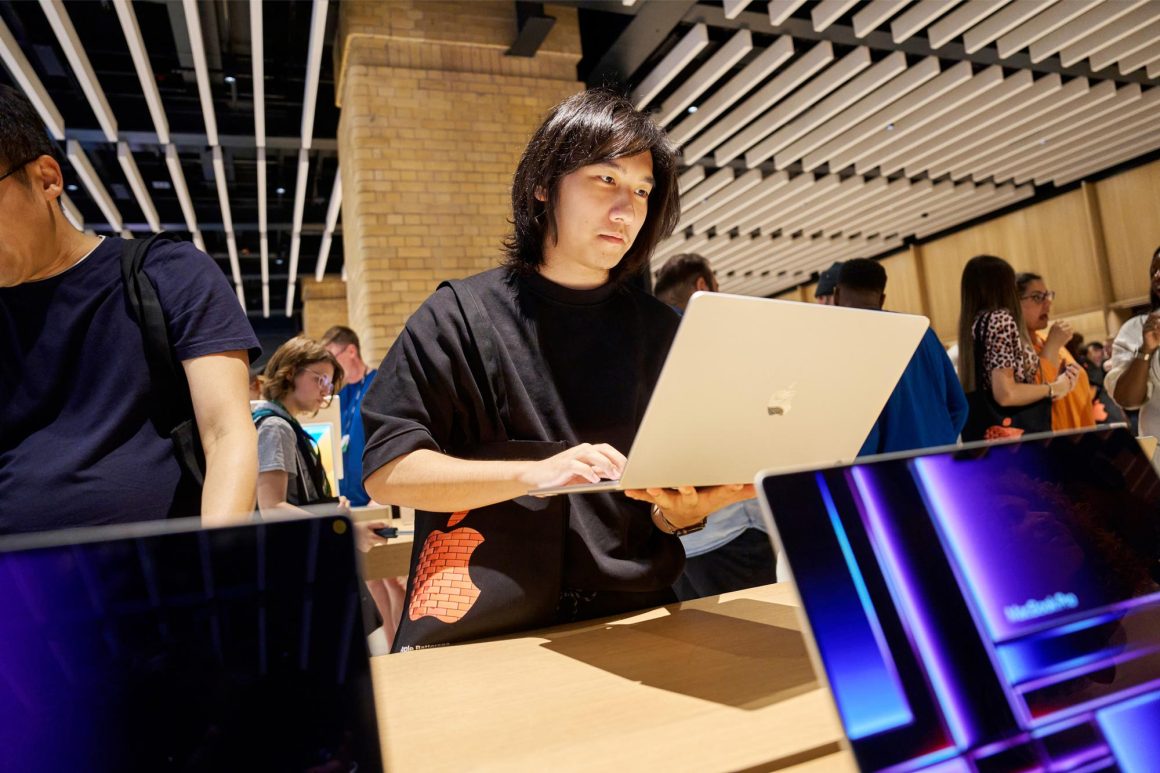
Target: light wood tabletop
(721,683)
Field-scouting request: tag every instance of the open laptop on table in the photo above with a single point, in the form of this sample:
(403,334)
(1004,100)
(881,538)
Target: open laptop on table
(992,607)
(159,646)
(752,384)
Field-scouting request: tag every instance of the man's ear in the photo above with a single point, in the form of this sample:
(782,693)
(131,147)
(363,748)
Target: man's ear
(701,285)
(540,193)
(46,177)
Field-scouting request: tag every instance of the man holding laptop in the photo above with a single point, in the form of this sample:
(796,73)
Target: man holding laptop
(537,374)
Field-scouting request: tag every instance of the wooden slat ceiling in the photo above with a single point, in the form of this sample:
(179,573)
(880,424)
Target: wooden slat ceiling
(815,132)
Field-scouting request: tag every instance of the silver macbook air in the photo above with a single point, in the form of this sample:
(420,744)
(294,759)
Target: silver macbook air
(753,383)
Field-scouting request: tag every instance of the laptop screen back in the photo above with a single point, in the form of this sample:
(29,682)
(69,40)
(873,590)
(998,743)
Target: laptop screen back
(224,649)
(991,608)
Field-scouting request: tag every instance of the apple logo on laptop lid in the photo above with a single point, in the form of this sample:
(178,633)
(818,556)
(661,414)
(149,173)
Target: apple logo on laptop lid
(780,401)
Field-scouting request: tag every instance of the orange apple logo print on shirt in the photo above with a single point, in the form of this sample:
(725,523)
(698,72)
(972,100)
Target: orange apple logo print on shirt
(443,588)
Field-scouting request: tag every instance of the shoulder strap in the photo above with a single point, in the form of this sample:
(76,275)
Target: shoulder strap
(308,450)
(480,327)
(170,388)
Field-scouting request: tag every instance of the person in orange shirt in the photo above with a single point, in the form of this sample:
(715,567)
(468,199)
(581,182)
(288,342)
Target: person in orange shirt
(1074,409)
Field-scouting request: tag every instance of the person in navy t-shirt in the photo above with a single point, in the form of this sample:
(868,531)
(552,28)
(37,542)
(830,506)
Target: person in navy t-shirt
(927,407)
(343,343)
(78,445)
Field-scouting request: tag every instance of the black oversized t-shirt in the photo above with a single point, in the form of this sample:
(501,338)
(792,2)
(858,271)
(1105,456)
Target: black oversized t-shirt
(77,446)
(579,367)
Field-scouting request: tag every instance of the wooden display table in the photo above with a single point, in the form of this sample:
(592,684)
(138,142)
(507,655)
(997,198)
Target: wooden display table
(394,558)
(721,683)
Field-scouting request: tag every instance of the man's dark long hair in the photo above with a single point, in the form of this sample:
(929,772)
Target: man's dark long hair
(591,127)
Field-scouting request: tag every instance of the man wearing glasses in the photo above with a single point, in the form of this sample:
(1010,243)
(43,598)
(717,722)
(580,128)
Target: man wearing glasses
(78,444)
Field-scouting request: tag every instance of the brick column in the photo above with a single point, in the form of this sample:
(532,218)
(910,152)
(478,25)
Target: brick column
(434,118)
(323,306)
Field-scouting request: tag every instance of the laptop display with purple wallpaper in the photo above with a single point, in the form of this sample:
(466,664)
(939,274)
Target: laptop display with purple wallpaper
(165,647)
(992,607)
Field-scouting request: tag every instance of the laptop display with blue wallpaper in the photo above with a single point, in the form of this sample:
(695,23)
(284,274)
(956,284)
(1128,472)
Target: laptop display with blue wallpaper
(993,607)
(164,647)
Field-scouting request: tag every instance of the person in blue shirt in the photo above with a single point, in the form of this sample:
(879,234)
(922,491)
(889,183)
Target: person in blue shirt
(928,407)
(343,343)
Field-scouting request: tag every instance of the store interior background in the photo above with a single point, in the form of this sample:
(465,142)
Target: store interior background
(339,159)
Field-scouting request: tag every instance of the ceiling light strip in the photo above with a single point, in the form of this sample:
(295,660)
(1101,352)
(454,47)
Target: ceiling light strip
(137,183)
(219,173)
(704,207)
(66,35)
(733,51)
(309,100)
(313,69)
(71,212)
(788,109)
(258,73)
(780,10)
(689,179)
(1131,62)
(875,14)
(766,97)
(896,111)
(700,194)
(1059,114)
(1001,23)
(895,89)
(141,64)
(859,88)
(692,43)
(966,149)
(1113,42)
(762,197)
(908,24)
(1042,24)
(1093,21)
(1109,157)
(979,93)
(733,8)
(201,69)
(826,12)
(1104,117)
(755,72)
(29,82)
(331,221)
(94,186)
(938,141)
(962,19)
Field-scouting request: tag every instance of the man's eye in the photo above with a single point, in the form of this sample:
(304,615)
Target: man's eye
(606,178)
(642,193)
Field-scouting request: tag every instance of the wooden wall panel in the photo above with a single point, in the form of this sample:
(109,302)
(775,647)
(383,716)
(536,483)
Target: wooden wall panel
(790,295)
(902,289)
(1050,238)
(1091,325)
(1129,207)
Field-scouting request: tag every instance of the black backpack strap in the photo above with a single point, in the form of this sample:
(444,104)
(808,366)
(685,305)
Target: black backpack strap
(480,327)
(172,406)
(308,450)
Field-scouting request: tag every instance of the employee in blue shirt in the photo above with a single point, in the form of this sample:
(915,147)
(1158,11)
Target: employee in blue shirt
(343,343)
(928,407)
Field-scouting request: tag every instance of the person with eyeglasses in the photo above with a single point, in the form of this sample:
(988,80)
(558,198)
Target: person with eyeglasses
(999,368)
(82,442)
(1074,409)
(1133,378)
(300,378)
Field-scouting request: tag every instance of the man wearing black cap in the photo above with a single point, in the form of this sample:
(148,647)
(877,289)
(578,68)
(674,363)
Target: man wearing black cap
(827,283)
